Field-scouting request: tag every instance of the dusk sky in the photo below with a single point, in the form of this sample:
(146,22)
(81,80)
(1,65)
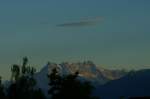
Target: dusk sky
(111,33)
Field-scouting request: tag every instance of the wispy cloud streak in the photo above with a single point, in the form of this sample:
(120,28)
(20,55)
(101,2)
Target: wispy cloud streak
(84,22)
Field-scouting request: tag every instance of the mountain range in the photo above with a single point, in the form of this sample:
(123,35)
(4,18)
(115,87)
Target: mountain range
(135,83)
(88,71)
(109,84)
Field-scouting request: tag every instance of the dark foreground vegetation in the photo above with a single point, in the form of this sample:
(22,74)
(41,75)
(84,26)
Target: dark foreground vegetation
(23,85)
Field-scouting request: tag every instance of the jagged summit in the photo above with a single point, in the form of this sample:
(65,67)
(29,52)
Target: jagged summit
(87,71)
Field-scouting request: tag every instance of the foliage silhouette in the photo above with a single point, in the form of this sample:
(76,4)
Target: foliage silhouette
(2,94)
(23,83)
(68,87)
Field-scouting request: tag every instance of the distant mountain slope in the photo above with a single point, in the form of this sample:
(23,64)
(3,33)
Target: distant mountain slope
(133,84)
(112,74)
(87,71)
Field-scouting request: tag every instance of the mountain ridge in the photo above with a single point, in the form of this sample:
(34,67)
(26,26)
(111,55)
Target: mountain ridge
(135,83)
(88,71)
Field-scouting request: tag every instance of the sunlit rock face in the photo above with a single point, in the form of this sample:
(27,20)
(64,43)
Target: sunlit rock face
(88,71)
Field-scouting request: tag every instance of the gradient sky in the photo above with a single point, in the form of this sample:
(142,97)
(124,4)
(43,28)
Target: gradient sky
(35,28)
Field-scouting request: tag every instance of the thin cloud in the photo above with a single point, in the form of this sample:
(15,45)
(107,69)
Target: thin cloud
(83,22)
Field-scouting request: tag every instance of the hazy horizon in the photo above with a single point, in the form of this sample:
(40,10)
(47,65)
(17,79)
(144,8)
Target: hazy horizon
(111,33)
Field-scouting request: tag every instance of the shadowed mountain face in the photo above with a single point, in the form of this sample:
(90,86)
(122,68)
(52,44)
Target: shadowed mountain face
(88,71)
(133,84)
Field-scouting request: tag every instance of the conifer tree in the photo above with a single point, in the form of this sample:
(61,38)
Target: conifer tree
(68,87)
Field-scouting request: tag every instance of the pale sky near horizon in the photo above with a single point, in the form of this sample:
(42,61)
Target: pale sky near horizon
(67,30)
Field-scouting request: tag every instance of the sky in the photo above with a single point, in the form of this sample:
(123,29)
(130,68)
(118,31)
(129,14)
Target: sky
(111,33)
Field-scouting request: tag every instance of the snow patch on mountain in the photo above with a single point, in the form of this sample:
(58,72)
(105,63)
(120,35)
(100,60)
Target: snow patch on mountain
(88,71)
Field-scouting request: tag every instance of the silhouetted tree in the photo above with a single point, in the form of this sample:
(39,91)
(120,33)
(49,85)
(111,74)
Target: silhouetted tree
(68,87)
(2,94)
(25,61)
(23,85)
(55,82)
(15,69)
